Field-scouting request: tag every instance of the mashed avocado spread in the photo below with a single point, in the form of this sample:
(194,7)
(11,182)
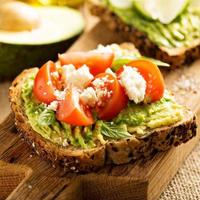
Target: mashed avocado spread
(134,120)
(181,32)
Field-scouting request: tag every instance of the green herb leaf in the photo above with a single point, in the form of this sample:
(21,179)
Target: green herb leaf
(157,62)
(46,118)
(119,62)
(114,131)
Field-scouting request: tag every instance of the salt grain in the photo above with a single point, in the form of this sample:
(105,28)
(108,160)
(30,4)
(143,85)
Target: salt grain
(185,84)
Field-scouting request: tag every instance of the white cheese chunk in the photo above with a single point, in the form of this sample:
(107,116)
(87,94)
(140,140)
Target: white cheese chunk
(113,48)
(76,97)
(89,97)
(101,90)
(97,94)
(60,95)
(53,105)
(77,78)
(117,50)
(134,84)
(68,69)
(109,71)
(55,74)
(100,82)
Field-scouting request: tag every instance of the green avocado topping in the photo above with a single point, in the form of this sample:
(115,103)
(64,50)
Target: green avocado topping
(181,32)
(142,118)
(136,120)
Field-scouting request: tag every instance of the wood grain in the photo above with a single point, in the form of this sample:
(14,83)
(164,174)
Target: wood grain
(4,103)
(140,180)
(11,177)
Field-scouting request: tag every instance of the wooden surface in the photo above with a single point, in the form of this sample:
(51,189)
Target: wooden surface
(140,180)
(4,103)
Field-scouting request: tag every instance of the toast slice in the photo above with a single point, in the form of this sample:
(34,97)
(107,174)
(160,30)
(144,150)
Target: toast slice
(113,151)
(176,57)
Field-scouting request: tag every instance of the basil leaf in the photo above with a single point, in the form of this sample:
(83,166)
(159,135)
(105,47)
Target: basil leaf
(157,62)
(114,131)
(46,118)
(119,62)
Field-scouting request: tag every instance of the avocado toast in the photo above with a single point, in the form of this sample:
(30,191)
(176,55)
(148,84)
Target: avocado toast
(176,43)
(136,126)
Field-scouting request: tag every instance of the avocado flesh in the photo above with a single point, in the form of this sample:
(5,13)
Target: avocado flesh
(19,50)
(181,32)
(138,119)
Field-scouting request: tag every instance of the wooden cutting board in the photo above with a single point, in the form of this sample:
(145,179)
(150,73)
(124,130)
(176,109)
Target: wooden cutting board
(29,177)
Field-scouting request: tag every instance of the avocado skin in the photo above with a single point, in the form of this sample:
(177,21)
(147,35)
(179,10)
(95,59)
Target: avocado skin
(15,58)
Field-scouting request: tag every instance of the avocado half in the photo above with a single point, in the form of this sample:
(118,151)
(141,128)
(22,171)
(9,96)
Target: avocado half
(59,27)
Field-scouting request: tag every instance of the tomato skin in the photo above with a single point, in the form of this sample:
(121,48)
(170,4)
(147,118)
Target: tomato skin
(43,88)
(71,111)
(97,62)
(154,80)
(116,102)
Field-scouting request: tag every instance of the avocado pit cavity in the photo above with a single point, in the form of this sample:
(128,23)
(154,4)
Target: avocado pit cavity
(18,16)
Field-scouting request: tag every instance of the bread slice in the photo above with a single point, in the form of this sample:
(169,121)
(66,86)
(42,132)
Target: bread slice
(117,152)
(175,57)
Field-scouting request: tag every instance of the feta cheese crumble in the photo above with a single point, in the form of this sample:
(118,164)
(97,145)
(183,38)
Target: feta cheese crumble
(109,71)
(98,94)
(53,105)
(55,74)
(77,78)
(101,90)
(89,97)
(134,84)
(60,95)
(118,50)
(113,48)
(76,98)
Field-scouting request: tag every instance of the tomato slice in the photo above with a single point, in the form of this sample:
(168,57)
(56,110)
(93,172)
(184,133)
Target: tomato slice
(45,83)
(153,77)
(71,111)
(98,62)
(110,105)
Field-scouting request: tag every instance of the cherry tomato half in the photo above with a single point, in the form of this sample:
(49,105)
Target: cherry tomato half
(98,62)
(153,77)
(71,111)
(45,83)
(115,98)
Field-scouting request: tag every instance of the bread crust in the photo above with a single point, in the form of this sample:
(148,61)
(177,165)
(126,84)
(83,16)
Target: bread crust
(176,57)
(117,152)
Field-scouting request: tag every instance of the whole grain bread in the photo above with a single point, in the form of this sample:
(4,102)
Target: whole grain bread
(176,57)
(117,152)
